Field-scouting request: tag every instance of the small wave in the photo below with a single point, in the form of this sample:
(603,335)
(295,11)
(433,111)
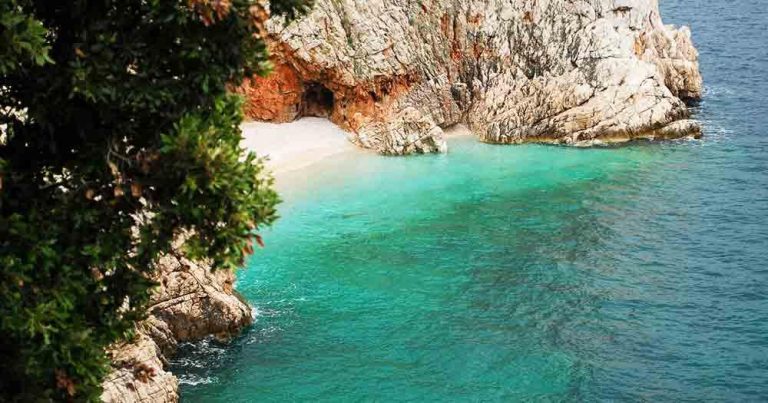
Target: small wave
(714,132)
(193,380)
(715,91)
(199,355)
(206,346)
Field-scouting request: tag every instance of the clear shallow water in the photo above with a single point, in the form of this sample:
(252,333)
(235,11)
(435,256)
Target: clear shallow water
(525,273)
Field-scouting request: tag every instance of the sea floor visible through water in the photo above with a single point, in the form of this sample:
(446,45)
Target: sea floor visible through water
(505,273)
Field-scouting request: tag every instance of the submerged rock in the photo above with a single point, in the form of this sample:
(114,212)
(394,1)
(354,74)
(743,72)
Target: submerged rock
(191,303)
(395,73)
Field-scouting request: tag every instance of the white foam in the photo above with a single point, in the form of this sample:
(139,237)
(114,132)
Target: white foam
(196,380)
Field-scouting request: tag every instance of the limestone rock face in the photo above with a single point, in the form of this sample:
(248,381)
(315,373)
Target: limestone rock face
(138,374)
(191,303)
(396,72)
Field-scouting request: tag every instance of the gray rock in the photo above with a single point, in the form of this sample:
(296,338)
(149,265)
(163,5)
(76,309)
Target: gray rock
(191,303)
(396,72)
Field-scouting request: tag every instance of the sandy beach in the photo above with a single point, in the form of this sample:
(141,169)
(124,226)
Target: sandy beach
(295,145)
(457,130)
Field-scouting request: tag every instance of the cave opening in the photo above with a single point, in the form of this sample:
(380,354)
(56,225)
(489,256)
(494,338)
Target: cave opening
(317,100)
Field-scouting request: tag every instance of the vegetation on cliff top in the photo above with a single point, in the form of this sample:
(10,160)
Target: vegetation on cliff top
(117,134)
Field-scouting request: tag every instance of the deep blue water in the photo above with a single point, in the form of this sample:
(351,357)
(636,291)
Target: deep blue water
(498,273)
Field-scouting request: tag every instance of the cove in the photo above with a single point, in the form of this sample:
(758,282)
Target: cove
(497,273)
(637,272)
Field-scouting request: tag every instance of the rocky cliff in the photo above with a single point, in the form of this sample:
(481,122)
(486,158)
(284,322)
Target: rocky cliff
(395,73)
(191,303)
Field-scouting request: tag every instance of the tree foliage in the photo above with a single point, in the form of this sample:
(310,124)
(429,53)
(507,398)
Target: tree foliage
(118,133)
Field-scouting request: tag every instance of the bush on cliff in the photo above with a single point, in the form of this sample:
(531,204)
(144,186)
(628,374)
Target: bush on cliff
(117,133)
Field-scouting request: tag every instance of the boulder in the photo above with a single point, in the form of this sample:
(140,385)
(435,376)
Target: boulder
(191,302)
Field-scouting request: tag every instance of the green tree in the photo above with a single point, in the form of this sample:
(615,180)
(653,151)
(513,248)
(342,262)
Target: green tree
(118,133)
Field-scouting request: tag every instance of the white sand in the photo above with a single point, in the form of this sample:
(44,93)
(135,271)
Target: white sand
(457,130)
(295,145)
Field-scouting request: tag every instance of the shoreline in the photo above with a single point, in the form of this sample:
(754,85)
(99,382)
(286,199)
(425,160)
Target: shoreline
(289,147)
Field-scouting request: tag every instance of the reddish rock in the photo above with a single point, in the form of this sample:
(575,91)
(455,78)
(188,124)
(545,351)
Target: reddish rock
(274,98)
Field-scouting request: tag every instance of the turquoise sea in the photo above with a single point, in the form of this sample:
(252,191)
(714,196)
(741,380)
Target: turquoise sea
(509,273)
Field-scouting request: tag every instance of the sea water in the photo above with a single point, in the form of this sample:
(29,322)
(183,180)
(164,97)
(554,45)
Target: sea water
(507,273)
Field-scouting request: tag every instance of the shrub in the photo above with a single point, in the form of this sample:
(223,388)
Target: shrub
(117,134)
